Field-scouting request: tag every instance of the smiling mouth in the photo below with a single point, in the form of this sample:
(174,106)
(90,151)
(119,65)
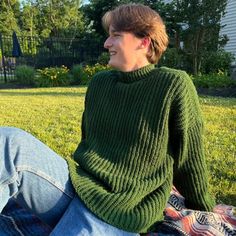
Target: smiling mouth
(112,53)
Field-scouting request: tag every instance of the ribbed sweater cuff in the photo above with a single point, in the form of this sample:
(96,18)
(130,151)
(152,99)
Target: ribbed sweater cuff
(193,179)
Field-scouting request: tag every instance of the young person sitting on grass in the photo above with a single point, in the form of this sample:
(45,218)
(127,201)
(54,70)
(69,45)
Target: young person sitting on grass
(141,134)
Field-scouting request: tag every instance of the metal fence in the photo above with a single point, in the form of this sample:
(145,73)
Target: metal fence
(50,52)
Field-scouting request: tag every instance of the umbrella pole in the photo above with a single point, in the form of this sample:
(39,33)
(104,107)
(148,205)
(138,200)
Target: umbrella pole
(3,59)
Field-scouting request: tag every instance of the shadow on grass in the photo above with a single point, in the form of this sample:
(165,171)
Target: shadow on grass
(229,199)
(14,89)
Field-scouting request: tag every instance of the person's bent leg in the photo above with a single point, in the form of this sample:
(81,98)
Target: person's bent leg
(34,175)
(78,220)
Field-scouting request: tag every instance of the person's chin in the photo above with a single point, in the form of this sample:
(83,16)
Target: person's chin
(112,64)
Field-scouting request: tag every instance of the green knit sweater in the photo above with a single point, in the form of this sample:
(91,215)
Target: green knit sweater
(141,133)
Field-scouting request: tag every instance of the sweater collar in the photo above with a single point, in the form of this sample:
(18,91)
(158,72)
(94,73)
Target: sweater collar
(132,76)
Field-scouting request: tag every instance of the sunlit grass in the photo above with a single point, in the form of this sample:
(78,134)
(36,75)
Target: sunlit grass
(54,116)
(220,146)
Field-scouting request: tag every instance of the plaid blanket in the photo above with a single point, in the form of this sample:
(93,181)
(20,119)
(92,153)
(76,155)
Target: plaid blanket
(15,221)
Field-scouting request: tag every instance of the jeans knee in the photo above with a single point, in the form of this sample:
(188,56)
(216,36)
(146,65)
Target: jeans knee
(11,131)
(12,135)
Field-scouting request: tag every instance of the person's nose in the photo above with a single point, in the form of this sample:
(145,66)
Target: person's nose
(108,43)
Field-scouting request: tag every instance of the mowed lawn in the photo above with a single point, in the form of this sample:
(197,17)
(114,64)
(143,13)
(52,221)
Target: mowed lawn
(54,116)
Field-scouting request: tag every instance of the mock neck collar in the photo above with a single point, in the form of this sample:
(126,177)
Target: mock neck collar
(135,75)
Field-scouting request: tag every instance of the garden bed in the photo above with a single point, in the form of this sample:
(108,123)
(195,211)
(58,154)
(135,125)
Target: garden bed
(218,92)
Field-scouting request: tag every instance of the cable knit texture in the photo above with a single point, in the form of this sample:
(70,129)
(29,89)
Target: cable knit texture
(141,133)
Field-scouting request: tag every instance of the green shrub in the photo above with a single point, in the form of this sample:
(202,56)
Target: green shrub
(53,77)
(90,71)
(213,80)
(103,58)
(217,60)
(78,74)
(25,75)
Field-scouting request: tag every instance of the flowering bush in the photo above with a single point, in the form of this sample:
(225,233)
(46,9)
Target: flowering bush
(53,77)
(62,76)
(90,71)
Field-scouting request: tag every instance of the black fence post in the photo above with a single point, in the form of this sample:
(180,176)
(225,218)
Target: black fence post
(3,59)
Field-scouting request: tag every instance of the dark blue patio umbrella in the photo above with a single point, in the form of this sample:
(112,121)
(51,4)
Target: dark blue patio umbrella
(16,51)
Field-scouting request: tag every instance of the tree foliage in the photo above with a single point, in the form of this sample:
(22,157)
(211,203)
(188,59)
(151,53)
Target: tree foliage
(9,15)
(28,20)
(57,18)
(199,22)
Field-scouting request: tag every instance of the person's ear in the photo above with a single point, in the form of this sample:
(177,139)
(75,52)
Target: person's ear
(145,42)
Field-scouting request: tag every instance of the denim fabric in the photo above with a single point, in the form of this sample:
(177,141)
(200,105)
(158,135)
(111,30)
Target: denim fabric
(14,220)
(38,179)
(34,175)
(87,224)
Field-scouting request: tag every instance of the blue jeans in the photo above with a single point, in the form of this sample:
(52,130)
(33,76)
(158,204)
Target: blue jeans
(38,179)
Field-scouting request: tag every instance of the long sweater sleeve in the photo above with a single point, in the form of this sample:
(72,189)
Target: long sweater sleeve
(190,171)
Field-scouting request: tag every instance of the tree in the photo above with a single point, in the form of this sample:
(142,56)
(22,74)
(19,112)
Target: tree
(58,18)
(10,10)
(200,26)
(28,20)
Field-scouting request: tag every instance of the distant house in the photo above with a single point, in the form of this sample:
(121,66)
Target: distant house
(229,20)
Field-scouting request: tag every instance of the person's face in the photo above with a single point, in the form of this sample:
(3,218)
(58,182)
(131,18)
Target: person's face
(127,52)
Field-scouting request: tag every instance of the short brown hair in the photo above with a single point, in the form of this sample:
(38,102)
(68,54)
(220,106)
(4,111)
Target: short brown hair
(142,21)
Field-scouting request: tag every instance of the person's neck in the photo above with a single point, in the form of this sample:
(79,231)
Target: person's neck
(136,66)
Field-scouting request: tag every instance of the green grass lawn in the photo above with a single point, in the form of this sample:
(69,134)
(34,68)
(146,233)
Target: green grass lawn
(54,116)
